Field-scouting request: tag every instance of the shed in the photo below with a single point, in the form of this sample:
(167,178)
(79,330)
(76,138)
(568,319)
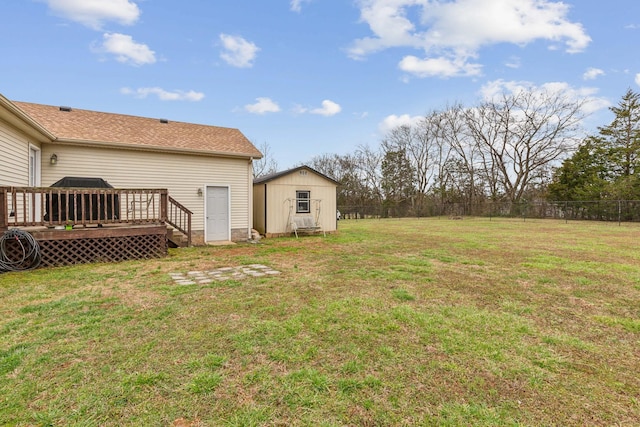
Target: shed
(301,198)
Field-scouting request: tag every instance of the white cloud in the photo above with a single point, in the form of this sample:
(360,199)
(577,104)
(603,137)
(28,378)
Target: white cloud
(492,89)
(127,50)
(589,94)
(637,79)
(392,122)
(296,5)
(592,73)
(263,106)
(238,51)
(513,62)
(450,32)
(440,67)
(496,88)
(299,109)
(94,13)
(329,108)
(164,95)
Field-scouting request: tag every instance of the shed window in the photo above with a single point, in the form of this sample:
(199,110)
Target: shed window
(303,201)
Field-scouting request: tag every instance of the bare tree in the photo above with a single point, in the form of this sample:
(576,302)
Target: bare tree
(350,170)
(417,143)
(461,161)
(369,161)
(267,164)
(443,149)
(519,135)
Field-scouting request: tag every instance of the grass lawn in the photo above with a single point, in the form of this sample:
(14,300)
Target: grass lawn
(387,322)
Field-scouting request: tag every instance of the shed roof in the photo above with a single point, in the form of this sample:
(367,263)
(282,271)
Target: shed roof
(125,131)
(266,178)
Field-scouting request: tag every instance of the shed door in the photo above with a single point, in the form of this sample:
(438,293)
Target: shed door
(217,214)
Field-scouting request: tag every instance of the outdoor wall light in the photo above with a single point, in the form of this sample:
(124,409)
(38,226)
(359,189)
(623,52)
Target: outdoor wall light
(199,191)
(53,159)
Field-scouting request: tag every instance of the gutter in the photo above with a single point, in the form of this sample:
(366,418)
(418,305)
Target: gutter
(154,148)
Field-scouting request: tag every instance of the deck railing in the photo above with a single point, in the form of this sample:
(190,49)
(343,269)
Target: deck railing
(62,207)
(179,217)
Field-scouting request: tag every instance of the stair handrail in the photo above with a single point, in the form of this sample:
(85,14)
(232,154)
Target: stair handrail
(179,217)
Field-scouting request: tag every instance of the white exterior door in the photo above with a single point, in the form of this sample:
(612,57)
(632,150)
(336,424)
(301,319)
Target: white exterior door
(217,214)
(34,167)
(34,181)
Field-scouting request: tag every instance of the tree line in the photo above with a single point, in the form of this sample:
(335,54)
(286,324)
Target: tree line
(519,147)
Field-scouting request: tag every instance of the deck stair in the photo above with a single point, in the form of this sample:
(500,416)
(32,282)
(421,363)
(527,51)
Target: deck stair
(176,239)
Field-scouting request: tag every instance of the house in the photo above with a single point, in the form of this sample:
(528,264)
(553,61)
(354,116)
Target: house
(207,169)
(298,199)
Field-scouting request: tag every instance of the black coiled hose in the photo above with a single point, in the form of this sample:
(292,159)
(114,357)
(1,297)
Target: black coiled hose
(19,250)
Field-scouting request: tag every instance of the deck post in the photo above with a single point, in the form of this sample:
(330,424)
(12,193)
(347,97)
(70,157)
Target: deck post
(4,209)
(189,230)
(164,203)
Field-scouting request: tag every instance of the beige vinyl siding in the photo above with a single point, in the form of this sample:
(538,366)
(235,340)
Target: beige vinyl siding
(14,152)
(181,174)
(281,194)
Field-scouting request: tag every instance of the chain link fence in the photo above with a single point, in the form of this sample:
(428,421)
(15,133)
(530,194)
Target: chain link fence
(610,210)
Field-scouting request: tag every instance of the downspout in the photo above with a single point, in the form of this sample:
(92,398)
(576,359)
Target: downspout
(250,195)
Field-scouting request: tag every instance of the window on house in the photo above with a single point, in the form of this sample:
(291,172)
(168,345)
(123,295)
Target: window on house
(303,201)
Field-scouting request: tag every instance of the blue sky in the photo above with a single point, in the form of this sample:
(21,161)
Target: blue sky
(310,77)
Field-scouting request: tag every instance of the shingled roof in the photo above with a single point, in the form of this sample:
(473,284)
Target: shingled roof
(270,177)
(96,128)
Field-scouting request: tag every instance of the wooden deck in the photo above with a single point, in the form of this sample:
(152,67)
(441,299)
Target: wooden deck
(81,225)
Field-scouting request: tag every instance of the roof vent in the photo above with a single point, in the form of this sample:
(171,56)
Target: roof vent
(65,109)
(164,121)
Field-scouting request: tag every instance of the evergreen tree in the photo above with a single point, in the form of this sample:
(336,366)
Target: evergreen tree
(582,176)
(606,166)
(622,137)
(398,179)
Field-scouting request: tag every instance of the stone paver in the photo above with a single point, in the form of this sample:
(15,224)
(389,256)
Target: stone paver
(222,274)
